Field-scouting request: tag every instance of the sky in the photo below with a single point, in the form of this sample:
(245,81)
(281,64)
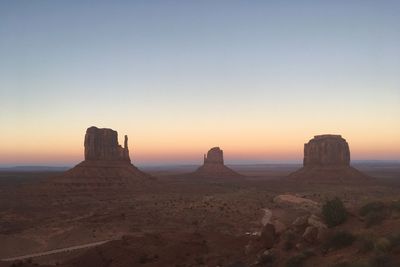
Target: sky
(257,78)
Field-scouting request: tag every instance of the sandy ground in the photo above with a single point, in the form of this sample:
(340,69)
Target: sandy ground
(37,220)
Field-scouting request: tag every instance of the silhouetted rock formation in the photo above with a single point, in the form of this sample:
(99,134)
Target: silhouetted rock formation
(106,163)
(214,156)
(214,167)
(102,144)
(327,158)
(326,150)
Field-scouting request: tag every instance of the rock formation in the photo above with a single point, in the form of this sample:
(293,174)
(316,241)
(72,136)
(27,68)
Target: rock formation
(214,167)
(106,163)
(327,158)
(326,150)
(102,144)
(214,156)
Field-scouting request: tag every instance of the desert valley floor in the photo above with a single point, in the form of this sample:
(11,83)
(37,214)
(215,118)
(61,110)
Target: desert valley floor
(174,220)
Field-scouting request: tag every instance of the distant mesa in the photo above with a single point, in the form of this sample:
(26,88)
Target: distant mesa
(106,162)
(214,156)
(213,166)
(327,150)
(327,158)
(102,144)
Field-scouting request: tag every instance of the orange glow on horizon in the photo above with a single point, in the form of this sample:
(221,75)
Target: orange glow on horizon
(180,145)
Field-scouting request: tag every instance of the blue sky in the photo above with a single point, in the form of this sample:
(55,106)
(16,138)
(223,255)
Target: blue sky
(222,72)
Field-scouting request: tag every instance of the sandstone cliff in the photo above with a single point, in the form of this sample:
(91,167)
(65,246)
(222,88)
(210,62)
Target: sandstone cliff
(327,150)
(327,158)
(102,144)
(106,163)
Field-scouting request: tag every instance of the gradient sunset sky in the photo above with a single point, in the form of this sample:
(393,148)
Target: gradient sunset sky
(257,78)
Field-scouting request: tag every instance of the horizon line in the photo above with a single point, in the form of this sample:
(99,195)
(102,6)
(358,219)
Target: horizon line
(278,162)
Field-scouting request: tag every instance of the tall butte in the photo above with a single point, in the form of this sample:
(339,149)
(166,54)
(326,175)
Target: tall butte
(106,163)
(213,166)
(327,158)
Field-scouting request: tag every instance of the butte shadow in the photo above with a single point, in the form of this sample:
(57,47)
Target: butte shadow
(106,163)
(214,167)
(327,159)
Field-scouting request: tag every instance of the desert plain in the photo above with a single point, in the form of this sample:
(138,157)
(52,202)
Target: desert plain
(173,220)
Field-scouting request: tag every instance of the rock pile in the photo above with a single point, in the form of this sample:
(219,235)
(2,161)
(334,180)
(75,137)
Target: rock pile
(327,158)
(106,163)
(214,167)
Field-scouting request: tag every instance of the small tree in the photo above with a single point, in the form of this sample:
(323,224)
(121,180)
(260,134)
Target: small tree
(334,212)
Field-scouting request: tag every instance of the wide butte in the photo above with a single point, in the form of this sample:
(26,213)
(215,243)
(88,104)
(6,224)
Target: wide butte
(327,158)
(106,163)
(214,167)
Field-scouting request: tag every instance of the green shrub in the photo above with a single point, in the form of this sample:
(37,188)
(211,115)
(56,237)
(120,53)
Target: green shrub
(339,240)
(334,212)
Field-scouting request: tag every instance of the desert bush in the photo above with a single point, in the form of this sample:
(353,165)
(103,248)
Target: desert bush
(381,260)
(366,242)
(200,260)
(373,212)
(371,207)
(289,239)
(374,218)
(334,212)
(382,245)
(144,258)
(395,205)
(339,240)
(395,240)
(352,264)
(299,259)
(266,260)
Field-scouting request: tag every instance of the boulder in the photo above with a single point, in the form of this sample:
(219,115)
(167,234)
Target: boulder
(315,221)
(279,226)
(300,221)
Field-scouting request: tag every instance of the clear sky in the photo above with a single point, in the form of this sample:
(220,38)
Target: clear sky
(257,78)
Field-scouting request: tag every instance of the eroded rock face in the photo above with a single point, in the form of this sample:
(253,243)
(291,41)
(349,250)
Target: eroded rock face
(102,144)
(214,156)
(106,165)
(214,167)
(327,150)
(327,159)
